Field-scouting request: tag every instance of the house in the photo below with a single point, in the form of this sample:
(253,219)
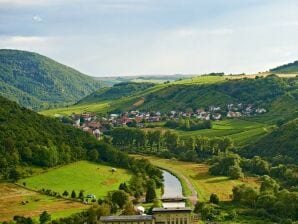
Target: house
(217,116)
(260,110)
(232,114)
(96,133)
(159,216)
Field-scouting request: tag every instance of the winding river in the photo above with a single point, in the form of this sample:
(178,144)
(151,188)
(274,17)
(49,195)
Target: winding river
(172,189)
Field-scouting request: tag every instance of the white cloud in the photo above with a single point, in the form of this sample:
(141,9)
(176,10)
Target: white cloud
(37,18)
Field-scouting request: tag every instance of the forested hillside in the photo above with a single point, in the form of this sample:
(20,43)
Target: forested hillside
(278,95)
(280,146)
(287,68)
(38,82)
(28,137)
(117,91)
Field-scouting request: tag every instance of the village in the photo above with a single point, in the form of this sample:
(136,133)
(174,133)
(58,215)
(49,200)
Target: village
(97,124)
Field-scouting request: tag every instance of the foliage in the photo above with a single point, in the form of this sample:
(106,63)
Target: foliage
(228,165)
(119,198)
(118,90)
(37,82)
(282,141)
(44,217)
(150,193)
(214,198)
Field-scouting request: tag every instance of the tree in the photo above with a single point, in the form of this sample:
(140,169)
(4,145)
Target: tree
(119,198)
(235,172)
(81,194)
(73,194)
(268,184)
(65,193)
(171,140)
(245,194)
(214,198)
(150,193)
(129,209)
(22,220)
(44,217)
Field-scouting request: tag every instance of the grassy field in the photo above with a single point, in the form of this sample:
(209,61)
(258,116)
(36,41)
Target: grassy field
(241,131)
(203,182)
(93,178)
(12,195)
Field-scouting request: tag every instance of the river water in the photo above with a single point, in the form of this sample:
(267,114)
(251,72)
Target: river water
(172,189)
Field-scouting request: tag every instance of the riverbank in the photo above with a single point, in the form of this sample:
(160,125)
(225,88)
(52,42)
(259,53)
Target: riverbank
(197,176)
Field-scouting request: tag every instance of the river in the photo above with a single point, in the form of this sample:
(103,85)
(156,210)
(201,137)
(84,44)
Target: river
(172,189)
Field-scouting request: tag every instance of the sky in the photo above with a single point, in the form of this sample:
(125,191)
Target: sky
(145,37)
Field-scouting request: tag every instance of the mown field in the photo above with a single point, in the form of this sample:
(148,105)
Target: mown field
(93,178)
(11,198)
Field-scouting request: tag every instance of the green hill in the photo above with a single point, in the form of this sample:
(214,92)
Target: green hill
(281,144)
(38,82)
(287,68)
(277,94)
(27,137)
(116,91)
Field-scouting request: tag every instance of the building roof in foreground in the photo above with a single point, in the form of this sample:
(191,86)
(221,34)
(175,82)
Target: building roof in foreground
(178,209)
(126,218)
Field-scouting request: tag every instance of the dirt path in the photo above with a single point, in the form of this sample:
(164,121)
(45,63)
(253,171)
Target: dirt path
(194,194)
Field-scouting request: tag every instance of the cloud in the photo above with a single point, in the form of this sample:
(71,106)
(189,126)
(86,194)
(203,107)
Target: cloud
(37,18)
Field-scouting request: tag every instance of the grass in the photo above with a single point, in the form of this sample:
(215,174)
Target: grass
(91,177)
(203,182)
(241,131)
(12,195)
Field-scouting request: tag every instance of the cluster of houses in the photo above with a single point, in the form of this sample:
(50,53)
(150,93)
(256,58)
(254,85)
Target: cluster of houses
(96,125)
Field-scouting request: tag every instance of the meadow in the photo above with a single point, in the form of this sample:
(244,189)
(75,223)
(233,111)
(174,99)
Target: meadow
(11,198)
(204,183)
(93,178)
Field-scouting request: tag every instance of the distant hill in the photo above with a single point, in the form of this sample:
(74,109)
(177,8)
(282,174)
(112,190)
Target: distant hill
(119,90)
(38,82)
(282,142)
(279,95)
(287,68)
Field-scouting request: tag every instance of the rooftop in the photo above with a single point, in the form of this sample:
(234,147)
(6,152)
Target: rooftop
(126,218)
(178,209)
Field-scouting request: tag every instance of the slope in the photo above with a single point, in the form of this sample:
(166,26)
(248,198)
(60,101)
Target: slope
(203,91)
(287,68)
(37,82)
(281,144)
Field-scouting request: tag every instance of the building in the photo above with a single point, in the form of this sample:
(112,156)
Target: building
(160,216)
(172,215)
(127,219)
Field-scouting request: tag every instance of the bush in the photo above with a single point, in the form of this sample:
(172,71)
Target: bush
(214,198)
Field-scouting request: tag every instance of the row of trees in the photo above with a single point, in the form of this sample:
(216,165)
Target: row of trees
(188,124)
(168,144)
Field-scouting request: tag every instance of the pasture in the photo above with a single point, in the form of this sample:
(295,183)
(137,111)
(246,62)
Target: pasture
(11,203)
(93,178)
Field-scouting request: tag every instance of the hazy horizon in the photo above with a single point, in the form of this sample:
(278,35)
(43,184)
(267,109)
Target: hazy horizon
(148,37)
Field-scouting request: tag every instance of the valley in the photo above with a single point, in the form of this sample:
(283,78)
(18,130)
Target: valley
(231,140)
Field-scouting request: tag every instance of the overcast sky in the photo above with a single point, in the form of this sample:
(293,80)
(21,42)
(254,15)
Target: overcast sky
(137,37)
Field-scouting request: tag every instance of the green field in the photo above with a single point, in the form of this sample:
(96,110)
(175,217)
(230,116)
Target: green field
(12,195)
(93,178)
(241,131)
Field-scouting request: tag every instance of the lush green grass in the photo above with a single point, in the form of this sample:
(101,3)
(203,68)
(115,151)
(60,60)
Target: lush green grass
(93,178)
(12,195)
